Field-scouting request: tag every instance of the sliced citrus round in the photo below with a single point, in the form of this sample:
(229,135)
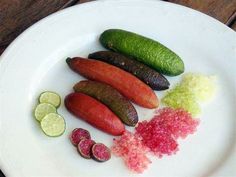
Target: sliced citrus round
(53,125)
(43,109)
(51,98)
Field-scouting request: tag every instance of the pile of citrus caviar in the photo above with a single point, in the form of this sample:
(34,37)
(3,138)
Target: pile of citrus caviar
(132,151)
(193,89)
(158,136)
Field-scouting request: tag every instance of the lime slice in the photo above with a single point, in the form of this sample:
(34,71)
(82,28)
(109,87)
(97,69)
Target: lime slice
(43,109)
(51,98)
(53,125)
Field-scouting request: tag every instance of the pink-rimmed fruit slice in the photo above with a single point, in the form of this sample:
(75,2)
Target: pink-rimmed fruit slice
(84,148)
(100,152)
(78,134)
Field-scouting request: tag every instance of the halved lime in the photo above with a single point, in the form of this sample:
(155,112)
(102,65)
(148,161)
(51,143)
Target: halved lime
(53,124)
(43,109)
(51,98)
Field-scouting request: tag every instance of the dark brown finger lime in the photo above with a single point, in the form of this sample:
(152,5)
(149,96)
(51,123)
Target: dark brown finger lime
(143,49)
(148,75)
(109,96)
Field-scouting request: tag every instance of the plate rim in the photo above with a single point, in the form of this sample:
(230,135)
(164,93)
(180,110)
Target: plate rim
(78,6)
(53,15)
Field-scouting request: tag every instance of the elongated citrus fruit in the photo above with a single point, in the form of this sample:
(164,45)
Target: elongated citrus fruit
(127,84)
(94,112)
(144,49)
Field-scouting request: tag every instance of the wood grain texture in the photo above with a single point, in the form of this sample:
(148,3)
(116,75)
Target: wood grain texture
(233,26)
(17,15)
(231,22)
(2,48)
(219,9)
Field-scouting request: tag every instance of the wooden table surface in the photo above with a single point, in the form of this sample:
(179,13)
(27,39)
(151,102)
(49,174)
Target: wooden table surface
(17,15)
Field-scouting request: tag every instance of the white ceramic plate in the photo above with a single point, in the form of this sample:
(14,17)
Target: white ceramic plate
(35,62)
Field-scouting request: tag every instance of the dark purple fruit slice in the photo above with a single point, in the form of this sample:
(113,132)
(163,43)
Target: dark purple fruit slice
(100,152)
(84,148)
(78,134)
